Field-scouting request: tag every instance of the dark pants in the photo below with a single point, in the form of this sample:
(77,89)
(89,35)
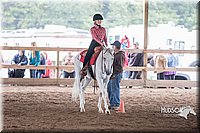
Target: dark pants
(19,73)
(16,73)
(90,52)
(39,73)
(135,75)
(68,74)
(160,76)
(170,77)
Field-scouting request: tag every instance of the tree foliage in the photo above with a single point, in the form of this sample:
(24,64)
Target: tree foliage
(78,13)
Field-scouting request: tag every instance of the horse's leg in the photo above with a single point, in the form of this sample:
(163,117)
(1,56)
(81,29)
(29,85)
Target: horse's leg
(107,111)
(81,100)
(82,109)
(84,84)
(81,91)
(100,82)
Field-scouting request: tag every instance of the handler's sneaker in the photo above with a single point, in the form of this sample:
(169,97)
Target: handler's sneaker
(115,108)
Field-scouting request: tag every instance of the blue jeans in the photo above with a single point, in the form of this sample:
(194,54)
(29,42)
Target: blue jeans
(125,74)
(39,73)
(33,73)
(114,90)
(69,74)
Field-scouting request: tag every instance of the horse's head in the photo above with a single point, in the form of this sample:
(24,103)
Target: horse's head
(192,111)
(108,58)
(187,109)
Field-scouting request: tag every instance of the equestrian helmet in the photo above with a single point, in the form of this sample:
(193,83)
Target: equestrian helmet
(97,17)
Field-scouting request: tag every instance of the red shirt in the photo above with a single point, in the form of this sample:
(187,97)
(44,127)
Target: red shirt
(99,34)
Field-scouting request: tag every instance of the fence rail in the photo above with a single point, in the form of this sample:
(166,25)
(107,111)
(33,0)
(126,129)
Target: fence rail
(69,67)
(80,49)
(59,81)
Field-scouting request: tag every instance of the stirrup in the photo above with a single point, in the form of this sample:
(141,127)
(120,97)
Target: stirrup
(83,73)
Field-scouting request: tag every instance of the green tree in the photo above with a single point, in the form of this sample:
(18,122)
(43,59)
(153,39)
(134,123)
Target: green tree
(78,14)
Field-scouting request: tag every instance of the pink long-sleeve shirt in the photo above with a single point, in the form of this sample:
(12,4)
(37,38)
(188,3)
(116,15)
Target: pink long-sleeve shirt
(99,34)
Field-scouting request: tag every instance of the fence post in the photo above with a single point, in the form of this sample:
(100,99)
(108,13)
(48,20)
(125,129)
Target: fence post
(57,75)
(145,11)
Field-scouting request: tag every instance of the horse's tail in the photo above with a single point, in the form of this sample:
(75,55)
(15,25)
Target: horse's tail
(76,87)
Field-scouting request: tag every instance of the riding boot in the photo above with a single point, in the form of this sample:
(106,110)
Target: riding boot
(83,71)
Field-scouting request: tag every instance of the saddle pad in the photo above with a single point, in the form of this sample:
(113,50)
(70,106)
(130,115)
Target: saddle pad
(97,51)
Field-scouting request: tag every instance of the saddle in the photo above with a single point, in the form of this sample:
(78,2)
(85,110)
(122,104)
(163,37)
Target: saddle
(92,61)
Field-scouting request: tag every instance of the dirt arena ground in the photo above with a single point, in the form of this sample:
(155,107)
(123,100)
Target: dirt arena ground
(49,108)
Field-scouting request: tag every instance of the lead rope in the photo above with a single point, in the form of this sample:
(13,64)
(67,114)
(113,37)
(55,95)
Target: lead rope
(95,86)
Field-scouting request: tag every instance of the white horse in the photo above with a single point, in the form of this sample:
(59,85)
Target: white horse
(103,69)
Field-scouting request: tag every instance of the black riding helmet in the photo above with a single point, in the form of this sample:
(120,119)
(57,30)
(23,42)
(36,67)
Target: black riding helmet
(97,17)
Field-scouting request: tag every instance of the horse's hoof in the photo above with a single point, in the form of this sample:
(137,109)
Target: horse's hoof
(101,111)
(82,110)
(107,112)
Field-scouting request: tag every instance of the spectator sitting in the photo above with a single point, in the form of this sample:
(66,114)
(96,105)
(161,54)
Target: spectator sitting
(19,59)
(68,60)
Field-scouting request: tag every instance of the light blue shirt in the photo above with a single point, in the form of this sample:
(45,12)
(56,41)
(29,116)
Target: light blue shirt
(172,61)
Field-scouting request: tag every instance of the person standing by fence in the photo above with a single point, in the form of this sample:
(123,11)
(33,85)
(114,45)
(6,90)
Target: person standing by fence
(34,59)
(172,61)
(125,43)
(41,72)
(135,59)
(159,64)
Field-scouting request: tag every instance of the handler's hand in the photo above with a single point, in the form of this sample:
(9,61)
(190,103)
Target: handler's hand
(112,77)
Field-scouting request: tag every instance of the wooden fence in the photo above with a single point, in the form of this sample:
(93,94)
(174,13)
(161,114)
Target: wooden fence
(142,82)
(127,82)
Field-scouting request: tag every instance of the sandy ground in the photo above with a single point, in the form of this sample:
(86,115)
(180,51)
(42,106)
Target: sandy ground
(49,108)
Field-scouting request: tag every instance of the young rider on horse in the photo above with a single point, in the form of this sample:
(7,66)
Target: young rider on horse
(98,39)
